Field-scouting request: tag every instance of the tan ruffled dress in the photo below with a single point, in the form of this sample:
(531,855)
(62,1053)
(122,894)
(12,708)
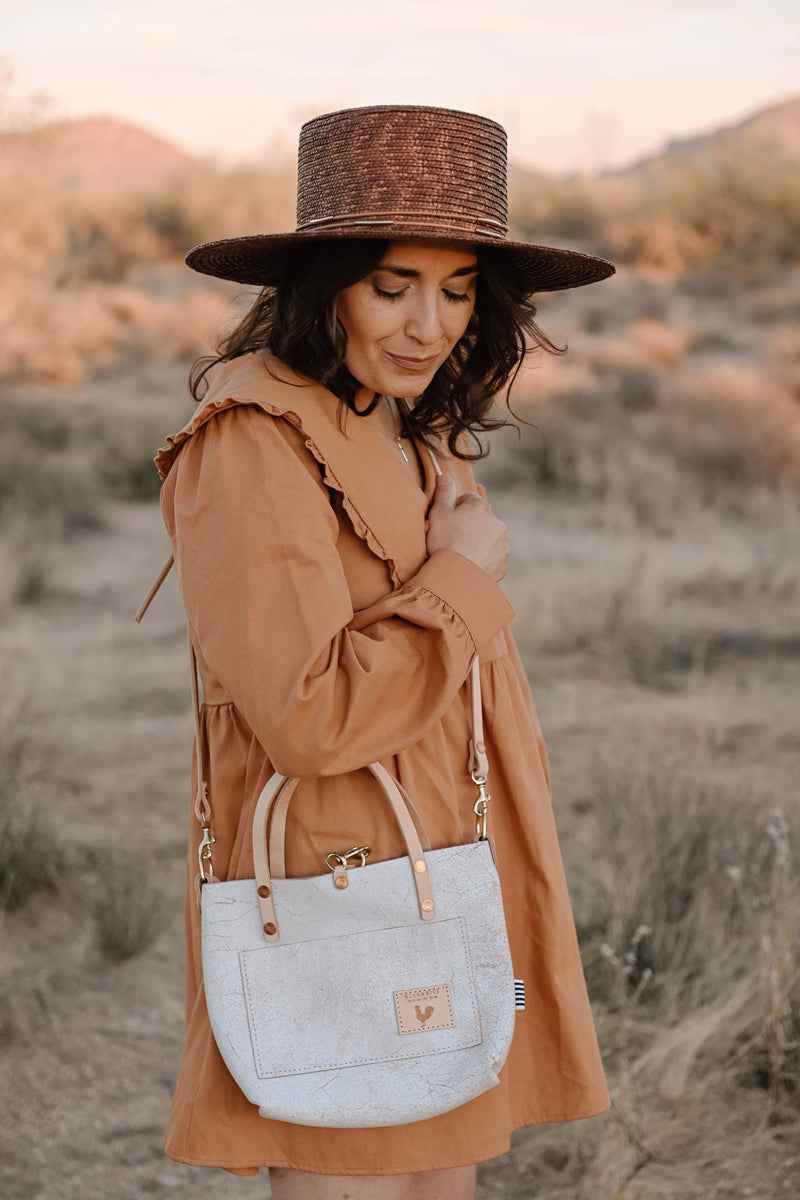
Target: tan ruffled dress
(327,639)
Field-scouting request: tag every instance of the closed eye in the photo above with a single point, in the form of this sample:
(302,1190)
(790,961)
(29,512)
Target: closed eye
(387,295)
(456,296)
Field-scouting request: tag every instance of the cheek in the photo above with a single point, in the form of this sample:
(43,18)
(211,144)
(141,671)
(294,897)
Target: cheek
(362,321)
(457,325)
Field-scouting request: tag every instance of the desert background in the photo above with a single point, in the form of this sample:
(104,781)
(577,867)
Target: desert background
(653,501)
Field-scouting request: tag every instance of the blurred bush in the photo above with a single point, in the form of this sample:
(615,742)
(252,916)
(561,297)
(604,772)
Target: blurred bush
(93,259)
(93,267)
(723,211)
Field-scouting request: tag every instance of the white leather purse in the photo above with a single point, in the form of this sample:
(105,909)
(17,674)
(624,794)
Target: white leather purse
(376,996)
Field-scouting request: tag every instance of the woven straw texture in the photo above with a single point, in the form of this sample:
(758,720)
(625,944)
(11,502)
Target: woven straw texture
(435,166)
(402,173)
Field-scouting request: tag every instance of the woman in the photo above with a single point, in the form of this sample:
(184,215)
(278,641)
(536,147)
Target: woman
(337,591)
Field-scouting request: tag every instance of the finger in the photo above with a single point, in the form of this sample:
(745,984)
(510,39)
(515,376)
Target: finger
(446,492)
(469,496)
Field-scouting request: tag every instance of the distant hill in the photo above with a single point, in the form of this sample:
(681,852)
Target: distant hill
(774,130)
(100,156)
(107,156)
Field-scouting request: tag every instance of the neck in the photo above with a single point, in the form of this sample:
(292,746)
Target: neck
(365,396)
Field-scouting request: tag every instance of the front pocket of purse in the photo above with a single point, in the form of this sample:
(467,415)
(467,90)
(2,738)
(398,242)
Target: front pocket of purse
(360,998)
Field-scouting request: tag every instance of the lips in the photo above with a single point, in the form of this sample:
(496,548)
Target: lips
(417,365)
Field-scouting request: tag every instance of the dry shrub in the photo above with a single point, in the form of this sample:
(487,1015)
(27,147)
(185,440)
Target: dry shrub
(644,344)
(46,494)
(770,576)
(24,543)
(63,336)
(602,447)
(782,354)
(607,353)
(67,305)
(30,857)
(544,378)
(776,300)
(662,343)
(33,236)
(60,459)
(658,655)
(736,210)
(732,211)
(179,328)
(696,913)
(650,450)
(120,448)
(127,906)
(55,335)
(206,202)
(573,208)
(41,484)
(734,422)
(589,618)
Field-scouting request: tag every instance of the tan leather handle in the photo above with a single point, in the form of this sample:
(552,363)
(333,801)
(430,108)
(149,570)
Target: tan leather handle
(277,828)
(271,795)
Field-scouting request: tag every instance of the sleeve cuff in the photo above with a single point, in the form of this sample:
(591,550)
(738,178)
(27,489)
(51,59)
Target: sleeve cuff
(466,589)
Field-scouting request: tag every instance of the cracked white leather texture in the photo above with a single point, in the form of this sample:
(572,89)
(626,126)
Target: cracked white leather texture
(307,1026)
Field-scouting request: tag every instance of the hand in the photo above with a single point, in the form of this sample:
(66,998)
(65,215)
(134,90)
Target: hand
(467,525)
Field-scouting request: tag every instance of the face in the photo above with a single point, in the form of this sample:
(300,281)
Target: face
(404,318)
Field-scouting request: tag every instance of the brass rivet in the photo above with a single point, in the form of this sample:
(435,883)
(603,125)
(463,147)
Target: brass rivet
(263,891)
(340,883)
(419,866)
(427,906)
(270,928)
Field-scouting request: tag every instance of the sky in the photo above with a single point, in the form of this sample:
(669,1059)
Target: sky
(579,85)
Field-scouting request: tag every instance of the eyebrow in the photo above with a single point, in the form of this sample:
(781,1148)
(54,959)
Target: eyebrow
(409,273)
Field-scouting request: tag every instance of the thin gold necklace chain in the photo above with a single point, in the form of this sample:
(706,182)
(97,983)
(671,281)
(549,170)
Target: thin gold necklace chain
(395,438)
(394,408)
(397,408)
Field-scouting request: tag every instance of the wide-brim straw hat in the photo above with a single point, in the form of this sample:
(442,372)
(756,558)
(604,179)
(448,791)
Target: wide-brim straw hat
(404,173)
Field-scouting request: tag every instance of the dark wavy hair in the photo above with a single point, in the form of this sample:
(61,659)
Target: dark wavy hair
(296,322)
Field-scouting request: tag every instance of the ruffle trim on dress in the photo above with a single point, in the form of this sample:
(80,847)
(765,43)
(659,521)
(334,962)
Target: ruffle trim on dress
(166,455)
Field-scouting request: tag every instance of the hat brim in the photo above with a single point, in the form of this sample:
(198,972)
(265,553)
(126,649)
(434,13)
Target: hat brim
(261,259)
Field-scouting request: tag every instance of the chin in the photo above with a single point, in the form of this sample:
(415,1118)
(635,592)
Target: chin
(404,388)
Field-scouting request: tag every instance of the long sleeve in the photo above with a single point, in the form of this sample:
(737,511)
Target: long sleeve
(324,689)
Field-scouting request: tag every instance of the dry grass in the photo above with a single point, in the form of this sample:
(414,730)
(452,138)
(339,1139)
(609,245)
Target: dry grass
(723,212)
(61,459)
(75,295)
(30,853)
(126,904)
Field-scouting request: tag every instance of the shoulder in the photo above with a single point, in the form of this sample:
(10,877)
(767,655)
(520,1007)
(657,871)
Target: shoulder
(251,388)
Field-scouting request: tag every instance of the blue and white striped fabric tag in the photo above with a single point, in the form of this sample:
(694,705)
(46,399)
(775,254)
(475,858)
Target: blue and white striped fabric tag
(519,993)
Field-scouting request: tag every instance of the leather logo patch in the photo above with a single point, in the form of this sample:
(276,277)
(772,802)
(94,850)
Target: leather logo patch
(424,1008)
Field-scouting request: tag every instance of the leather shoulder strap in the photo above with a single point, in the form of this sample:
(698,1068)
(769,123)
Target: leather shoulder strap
(165,570)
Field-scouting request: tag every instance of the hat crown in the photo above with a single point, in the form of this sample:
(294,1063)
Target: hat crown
(406,165)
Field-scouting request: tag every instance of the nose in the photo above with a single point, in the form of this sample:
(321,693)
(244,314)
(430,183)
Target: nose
(423,323)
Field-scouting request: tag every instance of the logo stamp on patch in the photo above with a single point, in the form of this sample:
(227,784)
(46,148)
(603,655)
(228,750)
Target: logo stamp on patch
(420,1009)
